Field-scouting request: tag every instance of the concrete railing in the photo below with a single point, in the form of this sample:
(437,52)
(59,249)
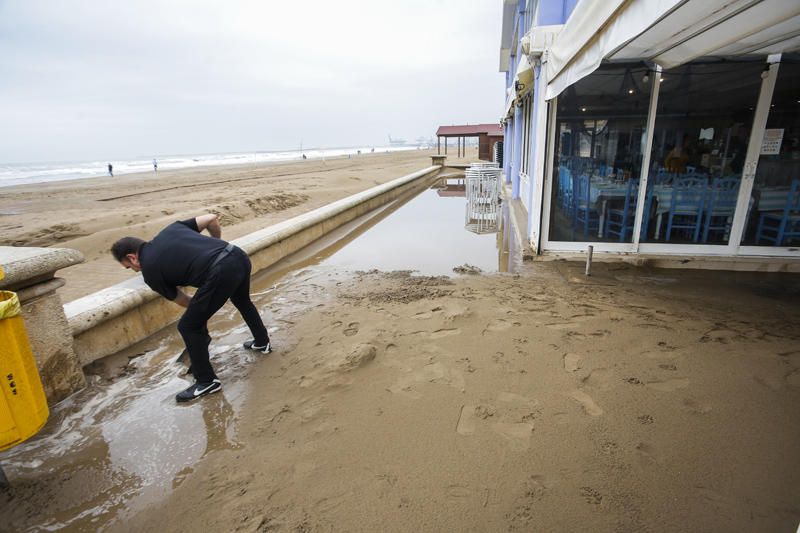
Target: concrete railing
(30,272)
(107,321)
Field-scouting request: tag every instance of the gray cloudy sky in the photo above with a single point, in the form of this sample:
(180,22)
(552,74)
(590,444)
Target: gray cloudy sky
(110,79)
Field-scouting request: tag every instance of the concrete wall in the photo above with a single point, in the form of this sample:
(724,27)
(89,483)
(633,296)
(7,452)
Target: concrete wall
(117,317)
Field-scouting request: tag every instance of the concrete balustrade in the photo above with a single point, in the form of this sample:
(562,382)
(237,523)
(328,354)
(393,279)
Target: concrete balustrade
(114,318)
(30,272)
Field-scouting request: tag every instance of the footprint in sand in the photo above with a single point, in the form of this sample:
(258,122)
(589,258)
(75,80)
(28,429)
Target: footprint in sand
(499,325)
(431,373)
(587,403)
(445,332)
(695,408)
(561,419)
(512,420)
(518,434)
(352,329)
(466,420)
(591,495)
(647,454)
(453,312)
(599,378)
(572,362)
(669,385)
(458,492)
(561,325)
(722,336)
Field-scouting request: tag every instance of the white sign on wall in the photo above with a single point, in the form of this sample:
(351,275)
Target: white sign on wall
(771,144)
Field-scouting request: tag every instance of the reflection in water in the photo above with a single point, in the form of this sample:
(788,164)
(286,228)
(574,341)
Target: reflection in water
(451,187)
(115,448)
(425,235)
(123,443)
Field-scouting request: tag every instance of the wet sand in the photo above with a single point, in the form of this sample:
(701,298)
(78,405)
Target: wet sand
(634,400)
(637,401)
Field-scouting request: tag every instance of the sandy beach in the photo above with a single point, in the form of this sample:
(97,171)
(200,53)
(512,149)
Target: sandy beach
(90,214)
(539,400)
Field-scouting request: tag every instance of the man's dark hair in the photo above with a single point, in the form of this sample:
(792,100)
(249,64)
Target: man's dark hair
(125,246)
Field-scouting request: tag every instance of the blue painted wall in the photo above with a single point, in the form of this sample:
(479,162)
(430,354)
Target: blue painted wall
(549,12)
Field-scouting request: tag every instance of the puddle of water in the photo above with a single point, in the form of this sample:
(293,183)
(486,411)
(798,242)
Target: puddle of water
(428,235)
(123,443)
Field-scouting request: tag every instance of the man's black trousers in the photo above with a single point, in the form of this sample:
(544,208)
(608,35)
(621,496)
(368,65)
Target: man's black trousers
(228,279)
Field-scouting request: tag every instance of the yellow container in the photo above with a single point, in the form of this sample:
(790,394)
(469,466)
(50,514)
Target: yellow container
(23,405)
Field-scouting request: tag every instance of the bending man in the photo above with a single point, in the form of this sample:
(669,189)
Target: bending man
(181,256)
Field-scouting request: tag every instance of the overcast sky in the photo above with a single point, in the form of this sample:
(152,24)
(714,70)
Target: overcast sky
(111,79)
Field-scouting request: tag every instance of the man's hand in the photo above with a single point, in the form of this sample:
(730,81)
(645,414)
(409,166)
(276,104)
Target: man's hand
(182,299)
(211,223)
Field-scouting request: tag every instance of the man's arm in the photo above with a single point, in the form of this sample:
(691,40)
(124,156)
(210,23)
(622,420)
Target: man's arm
(182,299)
(211,223)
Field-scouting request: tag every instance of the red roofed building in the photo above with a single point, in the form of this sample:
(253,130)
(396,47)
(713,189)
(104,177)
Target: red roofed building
(488,135)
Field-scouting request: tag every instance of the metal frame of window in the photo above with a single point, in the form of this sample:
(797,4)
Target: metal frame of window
(733,247)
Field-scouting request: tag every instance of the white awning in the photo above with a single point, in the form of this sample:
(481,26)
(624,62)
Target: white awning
(524,76)
(668,33)
(511,96)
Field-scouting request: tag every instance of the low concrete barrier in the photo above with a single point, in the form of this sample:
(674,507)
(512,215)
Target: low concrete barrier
(30,272)
(107,321)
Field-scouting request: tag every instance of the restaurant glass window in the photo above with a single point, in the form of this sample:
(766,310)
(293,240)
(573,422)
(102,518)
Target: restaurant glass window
(702,128)
(774,212)
(600,136)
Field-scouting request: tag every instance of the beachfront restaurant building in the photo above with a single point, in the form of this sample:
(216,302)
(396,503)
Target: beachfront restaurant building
(655,127)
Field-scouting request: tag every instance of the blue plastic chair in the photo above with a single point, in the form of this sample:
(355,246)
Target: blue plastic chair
(565,187)
(648,210)
(620,221)
(583,214)
(777,227)
(686,206)
(721,205)
(662,177)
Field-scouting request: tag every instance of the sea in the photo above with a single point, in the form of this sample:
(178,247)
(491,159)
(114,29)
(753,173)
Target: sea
(27,173)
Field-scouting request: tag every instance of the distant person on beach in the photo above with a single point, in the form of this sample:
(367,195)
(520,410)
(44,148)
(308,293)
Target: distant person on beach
(111,170)
(304,156)
(181,256)
(155,165)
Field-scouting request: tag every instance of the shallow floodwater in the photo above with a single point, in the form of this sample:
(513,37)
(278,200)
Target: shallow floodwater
(428,235)
(123,443)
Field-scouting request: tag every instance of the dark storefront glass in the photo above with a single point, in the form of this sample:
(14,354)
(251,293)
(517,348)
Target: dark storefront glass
(702,129)
(600,133)
(774,213)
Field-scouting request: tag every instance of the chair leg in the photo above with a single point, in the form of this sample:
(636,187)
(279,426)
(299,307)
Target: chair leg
(669,228)
(707,227)
(781,231)
(759,228)
(697,227)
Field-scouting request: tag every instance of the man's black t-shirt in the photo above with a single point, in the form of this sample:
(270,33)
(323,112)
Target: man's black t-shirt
(178,256)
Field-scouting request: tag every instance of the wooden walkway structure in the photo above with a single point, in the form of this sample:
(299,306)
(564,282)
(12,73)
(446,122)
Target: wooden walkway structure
(488,135)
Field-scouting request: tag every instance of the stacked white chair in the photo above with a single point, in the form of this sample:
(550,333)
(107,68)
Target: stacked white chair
(483,197)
